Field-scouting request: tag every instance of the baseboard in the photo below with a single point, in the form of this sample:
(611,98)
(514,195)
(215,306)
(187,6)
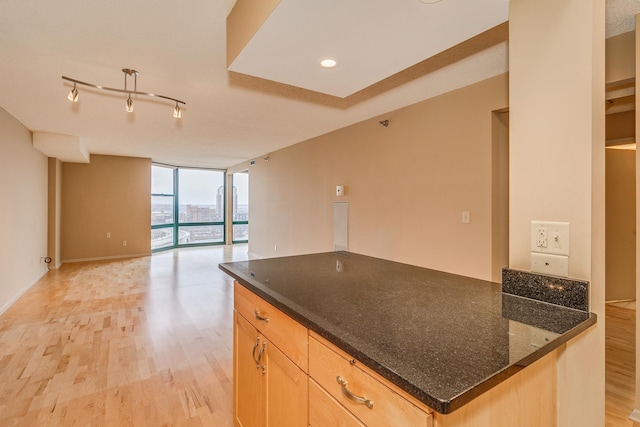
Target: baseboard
(22,292)
(253,255)
(104,258)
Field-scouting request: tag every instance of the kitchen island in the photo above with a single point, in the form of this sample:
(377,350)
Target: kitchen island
(437,339)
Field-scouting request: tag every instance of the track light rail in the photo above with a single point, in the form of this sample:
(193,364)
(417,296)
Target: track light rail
(132,92)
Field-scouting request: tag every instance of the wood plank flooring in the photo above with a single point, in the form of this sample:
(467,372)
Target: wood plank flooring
(620,353)
(147,342)
(137,342)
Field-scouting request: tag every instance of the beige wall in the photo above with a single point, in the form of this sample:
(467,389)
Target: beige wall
(108,195)
(620,225)
(556,87)
(406,185)
(54,212)
(23,217)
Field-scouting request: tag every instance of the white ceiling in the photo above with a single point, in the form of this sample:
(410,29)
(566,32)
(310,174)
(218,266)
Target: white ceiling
(370,39)
(180,50)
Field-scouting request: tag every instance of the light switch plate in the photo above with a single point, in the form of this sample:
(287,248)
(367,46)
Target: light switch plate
(550,237)
(555,265)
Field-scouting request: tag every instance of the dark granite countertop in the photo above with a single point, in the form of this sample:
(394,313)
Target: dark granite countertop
(442,338)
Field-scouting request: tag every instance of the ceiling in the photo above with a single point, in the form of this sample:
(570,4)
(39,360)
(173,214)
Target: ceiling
(289,45)
(180,51)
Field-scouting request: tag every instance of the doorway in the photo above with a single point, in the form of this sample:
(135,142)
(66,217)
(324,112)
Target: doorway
(620,260)
(620,199)
(500,194)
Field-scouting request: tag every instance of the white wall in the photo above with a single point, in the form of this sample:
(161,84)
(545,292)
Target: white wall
(556,87)
(23,216)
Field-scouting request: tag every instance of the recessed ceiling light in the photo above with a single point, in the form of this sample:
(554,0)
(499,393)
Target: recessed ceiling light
(429,1)
(328,63)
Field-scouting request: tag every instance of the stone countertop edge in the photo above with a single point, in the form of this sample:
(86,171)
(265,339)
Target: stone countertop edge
(443,406)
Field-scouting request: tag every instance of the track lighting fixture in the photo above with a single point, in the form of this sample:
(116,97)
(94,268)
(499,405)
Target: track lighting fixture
(73,94)
(384,123)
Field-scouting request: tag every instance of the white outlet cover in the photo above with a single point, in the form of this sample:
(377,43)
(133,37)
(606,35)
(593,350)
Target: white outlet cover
(555,265)
(558,237)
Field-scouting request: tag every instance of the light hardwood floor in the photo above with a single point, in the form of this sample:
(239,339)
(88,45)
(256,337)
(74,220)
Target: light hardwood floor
(620,365)
(147,342)
(137,342)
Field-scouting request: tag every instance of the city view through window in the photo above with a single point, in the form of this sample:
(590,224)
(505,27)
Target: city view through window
(240,211)
(188,207)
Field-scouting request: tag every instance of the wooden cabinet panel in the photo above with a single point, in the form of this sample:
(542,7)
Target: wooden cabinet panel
(387,408)
(286,391)
(287,334)
(527,399)
(325,411)
(247,378)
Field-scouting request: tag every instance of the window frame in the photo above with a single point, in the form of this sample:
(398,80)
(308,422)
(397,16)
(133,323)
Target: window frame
(234,222)
(176,211)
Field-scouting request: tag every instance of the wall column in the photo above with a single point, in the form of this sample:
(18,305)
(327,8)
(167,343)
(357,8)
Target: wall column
(635,415)
(54,207)
(556,92)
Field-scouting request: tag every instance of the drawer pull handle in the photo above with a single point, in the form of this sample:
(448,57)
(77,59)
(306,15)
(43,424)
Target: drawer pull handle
(258,316)
(354,397)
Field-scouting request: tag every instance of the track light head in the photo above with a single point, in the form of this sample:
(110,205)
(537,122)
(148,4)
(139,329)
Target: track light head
(73,94)
(384,123)
(129,105)
(177,112)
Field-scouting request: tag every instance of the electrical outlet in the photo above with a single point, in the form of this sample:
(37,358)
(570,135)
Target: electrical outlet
(108,235)
(124,243)
(550,237)
(542,238)
(466,217)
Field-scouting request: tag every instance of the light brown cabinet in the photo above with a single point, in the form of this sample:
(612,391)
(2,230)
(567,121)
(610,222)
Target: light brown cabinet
(269,389)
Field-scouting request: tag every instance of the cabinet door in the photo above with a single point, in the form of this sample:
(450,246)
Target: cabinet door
(247,378)
(287,390)
(324,410)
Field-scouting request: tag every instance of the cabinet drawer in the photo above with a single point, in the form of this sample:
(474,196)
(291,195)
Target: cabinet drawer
(388,408)
(325,411)
(284,332)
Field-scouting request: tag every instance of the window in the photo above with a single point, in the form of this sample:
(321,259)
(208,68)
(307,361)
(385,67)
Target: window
(240,213)
(201,206)
(162,207)
(187,207)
